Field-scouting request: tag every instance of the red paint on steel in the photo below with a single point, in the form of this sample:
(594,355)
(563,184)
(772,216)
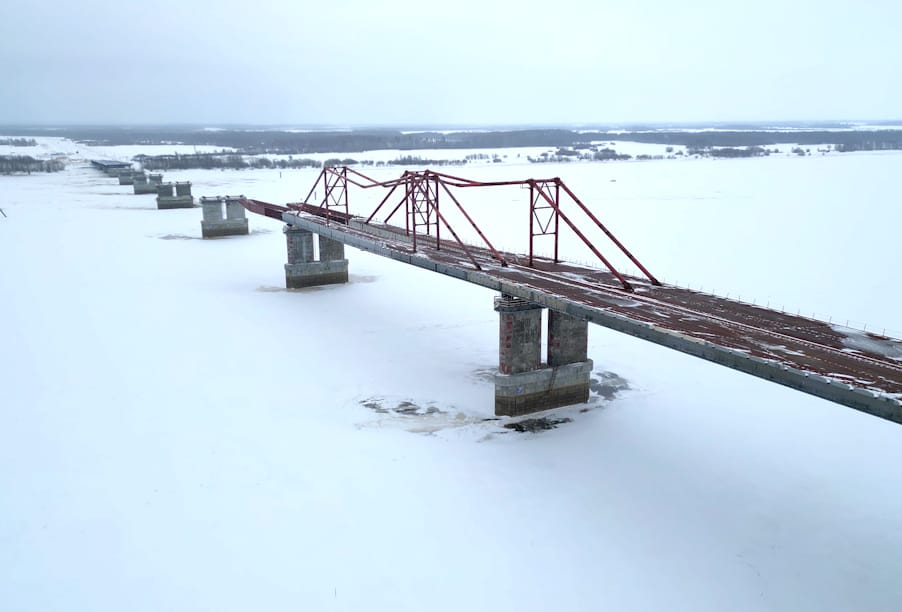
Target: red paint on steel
(607,232)
(475,227)
(559,213)
(421,209)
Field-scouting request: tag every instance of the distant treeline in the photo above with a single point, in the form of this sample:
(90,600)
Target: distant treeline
(11,164)
(869,145)
(729,152)
(568,155)
(300,143)
(253,142)
(413,160)
(600,153)
(212,161)
(879,139)
(18,142)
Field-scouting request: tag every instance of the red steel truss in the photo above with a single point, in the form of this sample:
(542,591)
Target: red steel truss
(420,193)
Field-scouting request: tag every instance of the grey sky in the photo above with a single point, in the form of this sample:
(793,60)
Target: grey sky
(345,62)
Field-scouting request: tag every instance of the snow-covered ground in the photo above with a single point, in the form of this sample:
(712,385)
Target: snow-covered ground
(177,432)
(50,146)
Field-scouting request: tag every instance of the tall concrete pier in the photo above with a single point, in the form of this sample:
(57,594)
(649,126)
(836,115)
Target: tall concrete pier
(214,225)
(126,177)
(523,383)
(182,197)
(304,269)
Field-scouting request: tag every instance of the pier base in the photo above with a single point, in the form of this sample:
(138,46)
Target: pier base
(164,203)
(225,227)
(302,269)
(542,389)
(315,274)
(523,384)
(141,185)
(180,199)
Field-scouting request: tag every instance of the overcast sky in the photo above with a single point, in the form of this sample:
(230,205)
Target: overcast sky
(346,62)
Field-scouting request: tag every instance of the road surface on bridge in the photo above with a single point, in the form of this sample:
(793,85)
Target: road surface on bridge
(857,369)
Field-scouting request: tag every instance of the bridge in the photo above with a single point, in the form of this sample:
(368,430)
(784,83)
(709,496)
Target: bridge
(856,369)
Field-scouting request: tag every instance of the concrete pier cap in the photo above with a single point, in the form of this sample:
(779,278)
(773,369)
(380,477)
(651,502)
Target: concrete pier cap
(167,200)
(141,184)
(524,384)
(214,225)
(183,188)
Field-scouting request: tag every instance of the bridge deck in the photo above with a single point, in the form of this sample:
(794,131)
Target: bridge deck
(857,369)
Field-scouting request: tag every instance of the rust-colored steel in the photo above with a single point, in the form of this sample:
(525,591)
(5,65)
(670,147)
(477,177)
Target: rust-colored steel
(422,205)
(382,203)
(421,210)
(266,209)
(608,265)
(544,221)
(607,232)
(852,368)
(495,253)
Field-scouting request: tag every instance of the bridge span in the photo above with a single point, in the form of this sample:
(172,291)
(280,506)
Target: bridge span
(856,369)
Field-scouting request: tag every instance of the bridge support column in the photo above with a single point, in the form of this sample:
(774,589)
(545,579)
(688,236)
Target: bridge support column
(303,270)
(568,347)
(522,384)
(214,225)
(568,339)
(331,250)
(182,197)
(140,184)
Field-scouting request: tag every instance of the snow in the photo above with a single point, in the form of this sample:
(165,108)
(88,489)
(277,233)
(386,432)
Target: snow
(51,146)
(177,432)
(860,341)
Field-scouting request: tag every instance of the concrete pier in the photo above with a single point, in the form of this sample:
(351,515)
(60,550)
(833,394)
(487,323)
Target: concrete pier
(214,225)
(568,339)
(155,179)
(523,383)
(126,177)
(181,199)
(519,335)
(141,185)
(304,270)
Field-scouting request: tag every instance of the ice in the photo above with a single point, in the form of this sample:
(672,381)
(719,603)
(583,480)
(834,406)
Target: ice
(178,433)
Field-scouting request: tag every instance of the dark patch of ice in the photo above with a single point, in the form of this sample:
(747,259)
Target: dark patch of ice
(537,425)
(607,384)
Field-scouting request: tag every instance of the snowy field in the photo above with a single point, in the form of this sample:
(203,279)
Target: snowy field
(178,432)
(49,146)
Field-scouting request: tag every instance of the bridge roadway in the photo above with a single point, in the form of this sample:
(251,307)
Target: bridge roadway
(856,369)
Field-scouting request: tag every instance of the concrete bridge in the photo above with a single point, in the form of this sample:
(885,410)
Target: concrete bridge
(856,369)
